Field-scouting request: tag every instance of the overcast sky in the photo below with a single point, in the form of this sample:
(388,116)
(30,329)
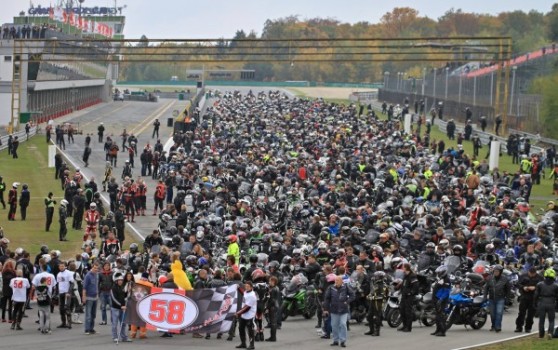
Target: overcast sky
(222,18)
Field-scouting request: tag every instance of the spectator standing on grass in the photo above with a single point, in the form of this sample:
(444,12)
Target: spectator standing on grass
(24,200)
(10,143)
(49,210)
(12,201)
(2,190)
(15,145)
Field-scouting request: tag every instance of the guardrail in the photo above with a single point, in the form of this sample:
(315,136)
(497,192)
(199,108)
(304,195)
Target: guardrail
(22,137)
(535,138)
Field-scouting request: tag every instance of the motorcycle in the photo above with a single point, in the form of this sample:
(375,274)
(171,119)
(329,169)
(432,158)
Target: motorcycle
(466,307)
(299,298)
(423,310)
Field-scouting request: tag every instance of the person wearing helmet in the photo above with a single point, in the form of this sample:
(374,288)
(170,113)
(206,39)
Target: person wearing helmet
(92,218)
(323,257)
(546,295)
(409,289)
(276,252)
(253,266)
(440,296)
(379,291)
(259,280)
(527,284)
(62,217)
(496,290)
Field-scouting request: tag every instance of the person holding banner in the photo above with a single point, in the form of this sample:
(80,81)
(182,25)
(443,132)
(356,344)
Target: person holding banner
(246,316)
(118,310)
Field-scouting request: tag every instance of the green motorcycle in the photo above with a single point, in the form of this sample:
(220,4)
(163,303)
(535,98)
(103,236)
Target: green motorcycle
(299,298)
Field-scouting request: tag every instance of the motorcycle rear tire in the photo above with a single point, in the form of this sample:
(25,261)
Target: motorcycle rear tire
(394,318)
(428,317)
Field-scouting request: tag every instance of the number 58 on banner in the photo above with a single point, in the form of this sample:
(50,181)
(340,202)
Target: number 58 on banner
(168,311)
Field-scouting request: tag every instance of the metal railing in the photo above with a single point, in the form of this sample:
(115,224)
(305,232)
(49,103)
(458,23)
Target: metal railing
(21,135)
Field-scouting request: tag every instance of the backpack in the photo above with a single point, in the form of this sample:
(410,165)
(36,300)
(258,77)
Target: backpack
(24,269)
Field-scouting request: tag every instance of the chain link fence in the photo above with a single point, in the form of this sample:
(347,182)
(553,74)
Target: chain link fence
(456,91)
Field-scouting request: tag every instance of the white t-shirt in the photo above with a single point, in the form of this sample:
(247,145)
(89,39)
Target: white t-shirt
(64,278)
(19,287)
(251,300)
(50,280)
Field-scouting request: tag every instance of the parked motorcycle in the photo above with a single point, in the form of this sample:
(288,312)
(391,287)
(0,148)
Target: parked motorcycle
(423,310)
(466,307)
(299,298)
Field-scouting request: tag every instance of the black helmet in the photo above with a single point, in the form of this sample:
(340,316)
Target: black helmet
(133,248)
(498,267)
(379,275)
(173,231)
(431,245)
(253,258)
(273,265)
(442,271)
(457,248)
(286,260)
(176,239)
(44,249)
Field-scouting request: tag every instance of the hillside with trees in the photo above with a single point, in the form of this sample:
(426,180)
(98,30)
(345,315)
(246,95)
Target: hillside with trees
(529,31)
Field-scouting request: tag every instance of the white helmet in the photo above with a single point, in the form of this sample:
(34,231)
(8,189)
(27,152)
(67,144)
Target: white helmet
(63,202)
(93,206)
(19,251)
(46,257)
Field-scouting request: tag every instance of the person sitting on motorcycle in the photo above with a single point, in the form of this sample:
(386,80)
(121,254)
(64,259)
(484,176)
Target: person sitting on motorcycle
(490,256)
(368,265)
(276,252)
(465,264)
(417,244)
(530,258)
(273,271)
(298,258)
(154,239)
(323,257)
(430,252)
(378,294)
(341,260)
(253,266)
(110,246)
(440,296)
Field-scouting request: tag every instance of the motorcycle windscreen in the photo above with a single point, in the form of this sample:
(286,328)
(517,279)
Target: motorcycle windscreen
(452,263)
(423,262)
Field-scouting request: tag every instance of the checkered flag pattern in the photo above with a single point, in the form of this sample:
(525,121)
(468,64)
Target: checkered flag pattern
(217,308)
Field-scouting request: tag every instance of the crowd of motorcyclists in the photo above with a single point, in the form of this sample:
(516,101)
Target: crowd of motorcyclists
(290,194)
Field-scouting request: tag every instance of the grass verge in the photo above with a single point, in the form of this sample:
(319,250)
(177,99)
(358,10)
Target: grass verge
(32,168)
(528,343)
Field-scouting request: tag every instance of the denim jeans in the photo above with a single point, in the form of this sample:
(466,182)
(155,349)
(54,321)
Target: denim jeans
(117,317)
(339,327)
(90,314)
(105,304)
(497,312)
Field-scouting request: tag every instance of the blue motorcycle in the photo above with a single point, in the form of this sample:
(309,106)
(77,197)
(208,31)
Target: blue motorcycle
(468,309)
